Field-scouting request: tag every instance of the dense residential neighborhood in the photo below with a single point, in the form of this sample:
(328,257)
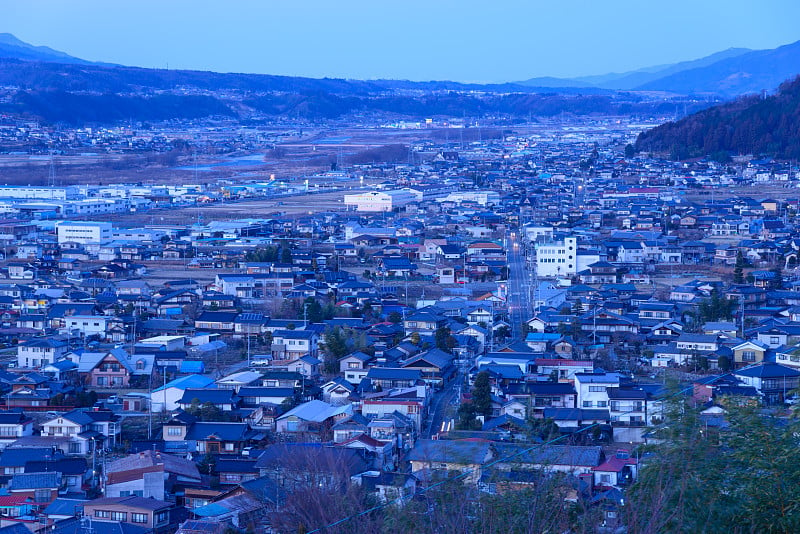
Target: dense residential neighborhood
(494,312)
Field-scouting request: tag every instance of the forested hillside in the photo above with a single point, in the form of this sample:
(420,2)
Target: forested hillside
(751,125)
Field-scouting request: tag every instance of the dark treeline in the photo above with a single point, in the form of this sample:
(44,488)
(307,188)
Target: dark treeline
(80,108)
(77,109)
(749,125)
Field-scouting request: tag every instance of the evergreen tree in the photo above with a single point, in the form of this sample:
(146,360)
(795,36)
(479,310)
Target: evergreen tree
(482,394)
(738,268)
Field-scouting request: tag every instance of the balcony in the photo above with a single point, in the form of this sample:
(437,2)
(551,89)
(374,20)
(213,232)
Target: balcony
(631,424)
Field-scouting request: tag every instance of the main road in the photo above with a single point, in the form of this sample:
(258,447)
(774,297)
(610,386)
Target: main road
(519,283)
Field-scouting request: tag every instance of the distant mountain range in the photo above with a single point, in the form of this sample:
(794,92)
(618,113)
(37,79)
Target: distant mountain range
(57,87)
(749,125)
(729,73)
(11,47)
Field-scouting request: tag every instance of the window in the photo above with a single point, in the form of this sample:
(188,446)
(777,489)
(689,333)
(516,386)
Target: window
(161,517)
(748,356)
(102,513)
(773,340)
(138,518)
(119,516)
(353,365)
(597,389)
(587,404)
(602,404)
(41,495)
(174,431)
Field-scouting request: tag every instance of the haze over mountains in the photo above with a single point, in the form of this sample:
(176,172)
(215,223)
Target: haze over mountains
(11,47)
(729,73)
(56,87)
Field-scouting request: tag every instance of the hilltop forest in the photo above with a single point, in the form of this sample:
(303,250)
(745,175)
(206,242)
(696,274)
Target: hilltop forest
(749,125)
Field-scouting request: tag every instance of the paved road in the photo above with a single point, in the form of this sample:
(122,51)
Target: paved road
(519,290)
(438,408)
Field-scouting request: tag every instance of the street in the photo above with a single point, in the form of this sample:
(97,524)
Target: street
(439,406)
(519,290)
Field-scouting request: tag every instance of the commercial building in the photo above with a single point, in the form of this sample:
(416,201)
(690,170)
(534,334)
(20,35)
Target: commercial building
(84,232)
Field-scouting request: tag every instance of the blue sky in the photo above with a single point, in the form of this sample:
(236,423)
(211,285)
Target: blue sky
(480,41)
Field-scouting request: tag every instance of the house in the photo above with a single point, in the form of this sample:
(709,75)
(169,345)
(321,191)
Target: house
(618,470)
(150,474)
(306,365)
(569,459)
(541,341)
(337,391)
(242,505)
(311,416)
(39,352)
(773,381)
(541,395)
(256,396)
(592,388)
(74,472)
(166,397)
(292,344)
(83,430)
(748,353)
(294,466)
(41,488)
(448,456)
(562,368)
(238,380)
(232,471)
(223,399)
(409,402)
(228,438)
(435,366)
(355,366)
(148,513)
(423,322)
(14,425)
(112,369)
(389,377)
(216,321)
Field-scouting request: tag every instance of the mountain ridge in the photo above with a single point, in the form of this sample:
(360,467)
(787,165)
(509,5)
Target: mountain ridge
(749,125)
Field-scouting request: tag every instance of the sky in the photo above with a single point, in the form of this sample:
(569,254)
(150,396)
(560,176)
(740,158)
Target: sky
(461,40)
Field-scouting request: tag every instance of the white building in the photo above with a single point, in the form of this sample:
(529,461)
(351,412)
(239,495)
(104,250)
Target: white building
(40,352)
(379,201)
(83,232)
(592,388)
(87,325)
(38,193)
(482,198)
(557,258)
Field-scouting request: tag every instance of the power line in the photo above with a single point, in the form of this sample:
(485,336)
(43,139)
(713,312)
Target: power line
(467,472)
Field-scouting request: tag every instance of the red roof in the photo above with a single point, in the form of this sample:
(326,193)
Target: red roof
(614,464)
(13,500)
